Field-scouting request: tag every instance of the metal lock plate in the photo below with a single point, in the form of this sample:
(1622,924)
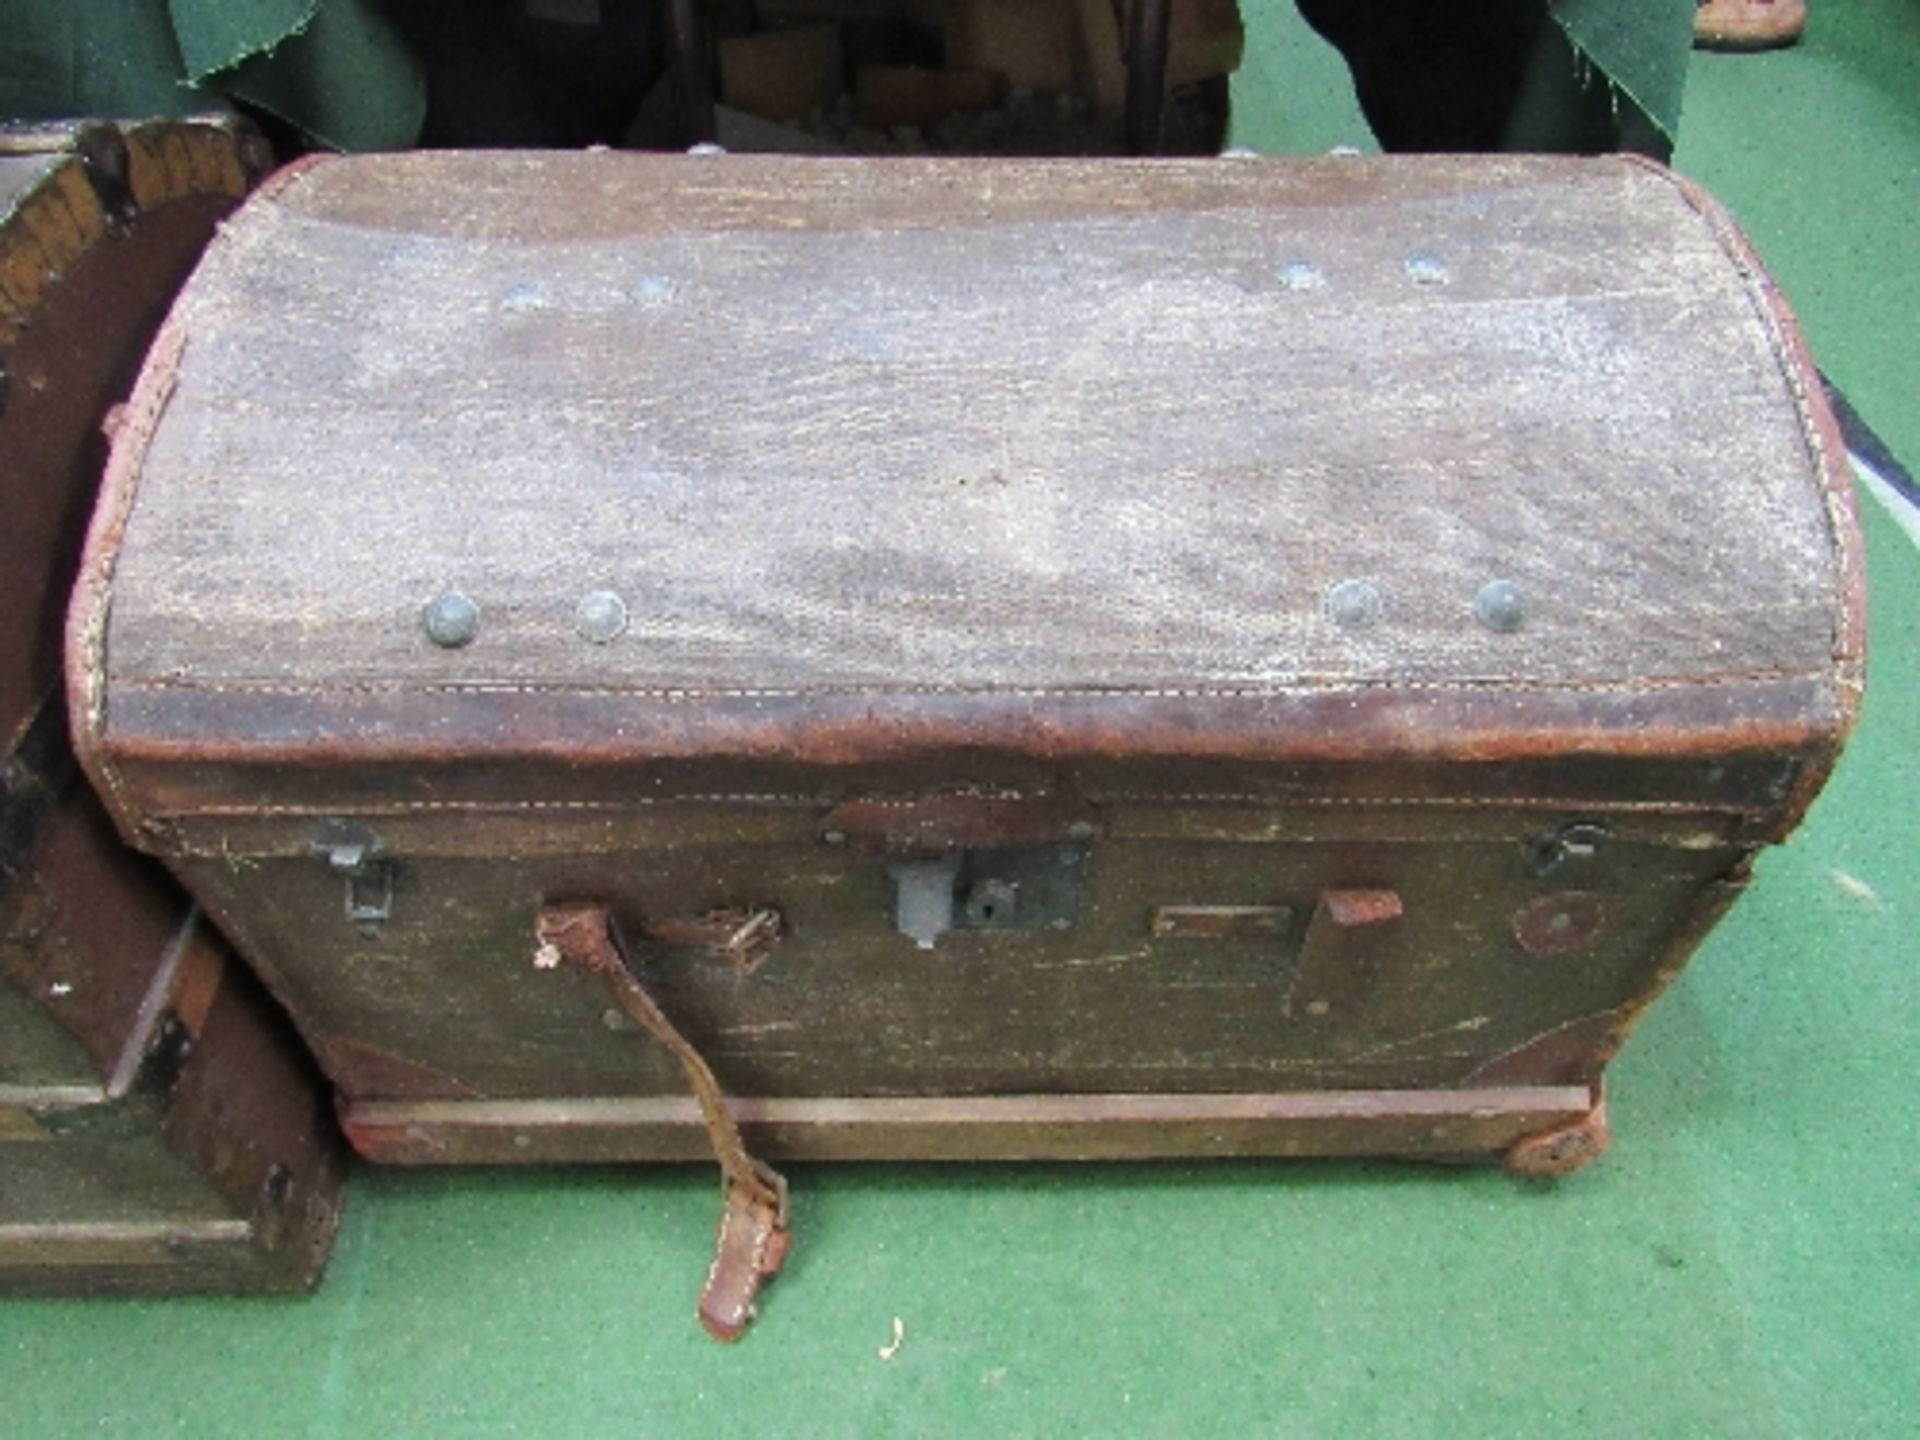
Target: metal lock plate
(1036,887)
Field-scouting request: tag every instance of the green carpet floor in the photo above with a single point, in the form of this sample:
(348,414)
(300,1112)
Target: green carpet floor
(1744,1263)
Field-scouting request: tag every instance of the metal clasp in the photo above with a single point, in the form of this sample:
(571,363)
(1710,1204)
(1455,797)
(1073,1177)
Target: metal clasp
(1029,887)
(356,855)
(1577,840)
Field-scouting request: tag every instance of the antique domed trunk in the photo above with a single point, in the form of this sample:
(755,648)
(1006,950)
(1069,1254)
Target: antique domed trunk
(969,658)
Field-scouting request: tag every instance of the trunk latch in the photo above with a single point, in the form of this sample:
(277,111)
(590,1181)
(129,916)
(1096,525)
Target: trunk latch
(1571,843)
(355,854)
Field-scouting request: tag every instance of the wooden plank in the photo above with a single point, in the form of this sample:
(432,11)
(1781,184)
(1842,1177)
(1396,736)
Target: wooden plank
(36,1054)
(134,1259)
(82,1239)
(1433,1124)
(35,1099)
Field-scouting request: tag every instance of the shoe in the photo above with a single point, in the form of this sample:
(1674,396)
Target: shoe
(1748,24)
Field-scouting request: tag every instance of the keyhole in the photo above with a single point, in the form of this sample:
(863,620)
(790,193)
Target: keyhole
(989,901)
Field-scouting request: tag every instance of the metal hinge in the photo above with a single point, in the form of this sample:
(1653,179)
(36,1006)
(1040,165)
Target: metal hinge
(355,854)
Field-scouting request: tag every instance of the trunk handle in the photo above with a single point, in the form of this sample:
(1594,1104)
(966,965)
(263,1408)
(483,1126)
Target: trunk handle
(753,1235)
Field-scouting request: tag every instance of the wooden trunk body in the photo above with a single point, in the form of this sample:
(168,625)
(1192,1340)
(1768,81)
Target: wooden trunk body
(161,1127)
(1160,657)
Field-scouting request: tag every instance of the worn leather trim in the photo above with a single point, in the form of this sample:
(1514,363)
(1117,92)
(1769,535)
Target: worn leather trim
(824,727)
(1827,448)
(92,602)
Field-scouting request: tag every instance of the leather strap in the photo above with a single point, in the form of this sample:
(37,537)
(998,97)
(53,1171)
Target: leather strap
(753,1236)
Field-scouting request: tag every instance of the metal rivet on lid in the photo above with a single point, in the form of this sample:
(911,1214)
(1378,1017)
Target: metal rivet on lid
(1560,924)
(1300,275)
(1501,605)
(653,289)
(601,617)
(1427,270)
(451,621)
(524,297)
(1354,604)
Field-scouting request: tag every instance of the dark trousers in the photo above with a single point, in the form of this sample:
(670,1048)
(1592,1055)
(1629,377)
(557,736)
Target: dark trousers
(1471,75)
